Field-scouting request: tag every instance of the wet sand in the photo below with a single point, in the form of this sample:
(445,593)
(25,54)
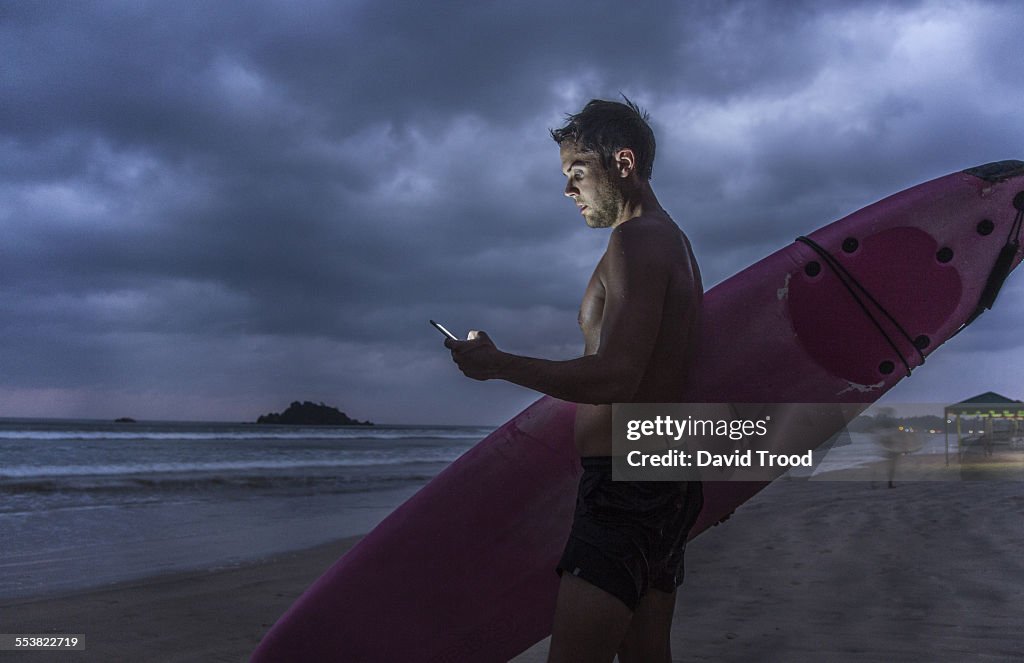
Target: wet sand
(194,616)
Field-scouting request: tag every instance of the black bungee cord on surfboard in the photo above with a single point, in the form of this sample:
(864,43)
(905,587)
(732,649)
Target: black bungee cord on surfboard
(996,277)
(848,281)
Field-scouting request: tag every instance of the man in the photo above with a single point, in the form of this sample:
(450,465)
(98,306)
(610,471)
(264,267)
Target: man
(640,317)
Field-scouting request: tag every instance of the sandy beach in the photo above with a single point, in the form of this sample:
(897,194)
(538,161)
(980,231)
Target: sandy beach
(807,571)
(186,616)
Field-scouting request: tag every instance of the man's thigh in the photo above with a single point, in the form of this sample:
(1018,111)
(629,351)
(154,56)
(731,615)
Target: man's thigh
(589,623)
(648,638)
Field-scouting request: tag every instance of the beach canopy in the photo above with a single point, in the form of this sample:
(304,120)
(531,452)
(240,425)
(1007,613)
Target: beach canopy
(988,405)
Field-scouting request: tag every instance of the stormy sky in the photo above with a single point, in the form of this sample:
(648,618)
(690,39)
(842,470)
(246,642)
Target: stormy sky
(210,209)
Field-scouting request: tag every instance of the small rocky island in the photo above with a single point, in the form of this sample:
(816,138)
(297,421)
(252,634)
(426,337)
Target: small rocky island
(310,414)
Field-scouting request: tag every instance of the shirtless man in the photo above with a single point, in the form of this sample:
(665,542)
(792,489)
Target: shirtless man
(640,316)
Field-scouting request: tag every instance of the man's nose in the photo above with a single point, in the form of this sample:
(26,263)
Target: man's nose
(571,190)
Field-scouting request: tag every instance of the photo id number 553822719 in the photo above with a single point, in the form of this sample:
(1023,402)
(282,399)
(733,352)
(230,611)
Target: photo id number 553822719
(42,641)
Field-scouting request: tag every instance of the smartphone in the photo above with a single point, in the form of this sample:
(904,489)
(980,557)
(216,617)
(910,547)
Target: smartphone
(439,327)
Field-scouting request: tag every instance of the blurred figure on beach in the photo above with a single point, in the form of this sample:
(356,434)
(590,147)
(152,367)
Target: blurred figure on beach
(894,441)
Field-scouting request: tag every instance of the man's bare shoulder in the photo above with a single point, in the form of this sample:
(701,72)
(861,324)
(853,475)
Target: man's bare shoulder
(653,235)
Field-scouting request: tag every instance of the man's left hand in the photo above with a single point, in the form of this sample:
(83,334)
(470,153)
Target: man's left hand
(477,357)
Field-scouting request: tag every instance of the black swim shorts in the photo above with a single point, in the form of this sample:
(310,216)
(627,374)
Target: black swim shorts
(629,536)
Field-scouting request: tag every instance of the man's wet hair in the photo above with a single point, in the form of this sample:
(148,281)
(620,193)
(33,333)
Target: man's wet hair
(604,127)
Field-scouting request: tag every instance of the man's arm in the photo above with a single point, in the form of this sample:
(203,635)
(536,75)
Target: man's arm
(635,276)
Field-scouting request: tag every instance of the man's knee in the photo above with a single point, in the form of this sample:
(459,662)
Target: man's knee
(645,652)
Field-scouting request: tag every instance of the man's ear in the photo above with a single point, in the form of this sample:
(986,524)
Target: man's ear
(625,162)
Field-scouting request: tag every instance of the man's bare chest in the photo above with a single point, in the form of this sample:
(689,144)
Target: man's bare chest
(592,312)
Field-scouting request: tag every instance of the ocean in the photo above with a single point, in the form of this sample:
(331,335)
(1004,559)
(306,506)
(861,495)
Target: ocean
(87,503)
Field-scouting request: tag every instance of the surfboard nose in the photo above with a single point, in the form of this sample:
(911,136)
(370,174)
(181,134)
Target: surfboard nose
(997,171)
(1012,253)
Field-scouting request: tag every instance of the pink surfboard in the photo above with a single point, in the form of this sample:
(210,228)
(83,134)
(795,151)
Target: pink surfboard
(465,569)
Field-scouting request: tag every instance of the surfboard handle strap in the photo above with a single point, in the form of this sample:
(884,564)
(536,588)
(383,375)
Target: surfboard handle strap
(850,282)
(1002,265)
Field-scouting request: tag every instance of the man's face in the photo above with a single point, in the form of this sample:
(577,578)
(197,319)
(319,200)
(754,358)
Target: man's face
(590,186)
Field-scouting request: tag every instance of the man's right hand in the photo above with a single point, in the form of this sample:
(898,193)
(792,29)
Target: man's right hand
(477,357)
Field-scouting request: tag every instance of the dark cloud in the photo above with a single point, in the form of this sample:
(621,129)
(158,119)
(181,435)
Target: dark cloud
(209,210)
